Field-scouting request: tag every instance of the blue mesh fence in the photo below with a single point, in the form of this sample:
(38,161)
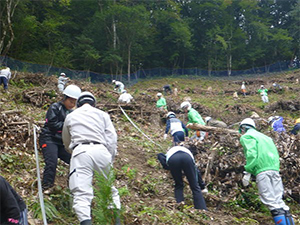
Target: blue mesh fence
(143,73)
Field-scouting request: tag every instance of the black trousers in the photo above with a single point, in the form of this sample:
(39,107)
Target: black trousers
(178,137)
(179,162)
(51,153)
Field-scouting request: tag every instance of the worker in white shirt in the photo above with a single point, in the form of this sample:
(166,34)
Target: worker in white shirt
(91,137)
(125,97)
(119,86)
(62,80)
(5,75)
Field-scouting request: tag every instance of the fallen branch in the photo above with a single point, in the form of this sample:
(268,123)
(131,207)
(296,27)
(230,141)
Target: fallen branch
(211,159)
(195,126)
(11,111)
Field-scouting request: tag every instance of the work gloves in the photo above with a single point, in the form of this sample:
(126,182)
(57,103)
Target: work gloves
(246,179)
(165,136)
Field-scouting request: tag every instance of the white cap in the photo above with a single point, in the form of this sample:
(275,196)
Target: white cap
(85,96)
(113,81)
(159,94)
(170,113)
(248,121)
(261,86)
(186,105)
(124,91)
(270,119)
(72,91)
(208,118)
(63,74)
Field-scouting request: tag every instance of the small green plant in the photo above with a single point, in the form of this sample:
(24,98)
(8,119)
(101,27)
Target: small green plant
(105,211)
(123,191)
(50,210)
(152,162)
(129,172)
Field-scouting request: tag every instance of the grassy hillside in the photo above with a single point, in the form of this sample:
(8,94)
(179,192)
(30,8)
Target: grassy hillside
(146,189)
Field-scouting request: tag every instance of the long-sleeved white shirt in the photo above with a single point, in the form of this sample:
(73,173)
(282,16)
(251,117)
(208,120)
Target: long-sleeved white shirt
(125,98)
(89,124)
(5,73)
(62,80)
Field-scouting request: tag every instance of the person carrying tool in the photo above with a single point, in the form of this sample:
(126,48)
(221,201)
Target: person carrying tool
(91,137)
(176,127)
(262,161)
(180,160)
(62,80)
(12,207)
(243,88)
(125,97)
(194,117)
(51,139)
(119,86)
(276,123)
(263,93)
(5,75)
(296,127)
(214,123)
(161,102)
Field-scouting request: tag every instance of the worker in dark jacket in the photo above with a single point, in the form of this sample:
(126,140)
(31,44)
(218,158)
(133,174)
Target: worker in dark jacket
(12,207)
(179,160)
(51,139)
(176,127)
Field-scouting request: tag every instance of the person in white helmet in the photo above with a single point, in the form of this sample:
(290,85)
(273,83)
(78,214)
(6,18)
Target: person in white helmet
(5,75)
(176,128)
(243,88)
(51,140)
(161,102)
(214,123)
(194,117)
(125,97)
(263,93)
(91,137)
(276,122)
(62,80)
(119,86)
(262,161)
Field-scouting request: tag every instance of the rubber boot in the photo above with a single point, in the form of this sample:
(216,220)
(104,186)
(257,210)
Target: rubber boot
(118,220)
(279,216)
(289,218)
(86,222)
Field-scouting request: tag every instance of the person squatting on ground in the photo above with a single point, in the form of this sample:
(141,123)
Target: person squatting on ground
(161,102)
(296,127)
(194,117)
(167,89)
(119,86)
(125,97)
(5,75)
(12,207)
(263,93)
(276,123)
(243,89)
(62,80)
(51,139)
(176,127)
(179,160)
(214,123)
(262,161)
(91,137)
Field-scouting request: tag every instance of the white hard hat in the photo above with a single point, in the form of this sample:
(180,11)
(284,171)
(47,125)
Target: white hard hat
(171,114)
(208,118)
(261,86)
(8,68)
(159,94)
(113,81)
(243,82)
(248,121)
(271,118)
(72,91)
(86,97)
(124,91)
(63,74)
(186,105)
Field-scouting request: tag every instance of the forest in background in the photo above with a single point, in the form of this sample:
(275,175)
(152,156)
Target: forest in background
(123,36)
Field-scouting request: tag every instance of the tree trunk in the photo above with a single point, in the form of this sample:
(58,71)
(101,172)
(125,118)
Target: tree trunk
(209,67)
(129,62)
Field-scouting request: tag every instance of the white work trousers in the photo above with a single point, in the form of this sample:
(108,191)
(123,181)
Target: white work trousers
(61,87)
(85,160)
(270,189)
(265,98)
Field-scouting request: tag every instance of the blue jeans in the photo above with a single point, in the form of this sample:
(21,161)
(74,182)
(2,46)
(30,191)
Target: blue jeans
(3,80)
